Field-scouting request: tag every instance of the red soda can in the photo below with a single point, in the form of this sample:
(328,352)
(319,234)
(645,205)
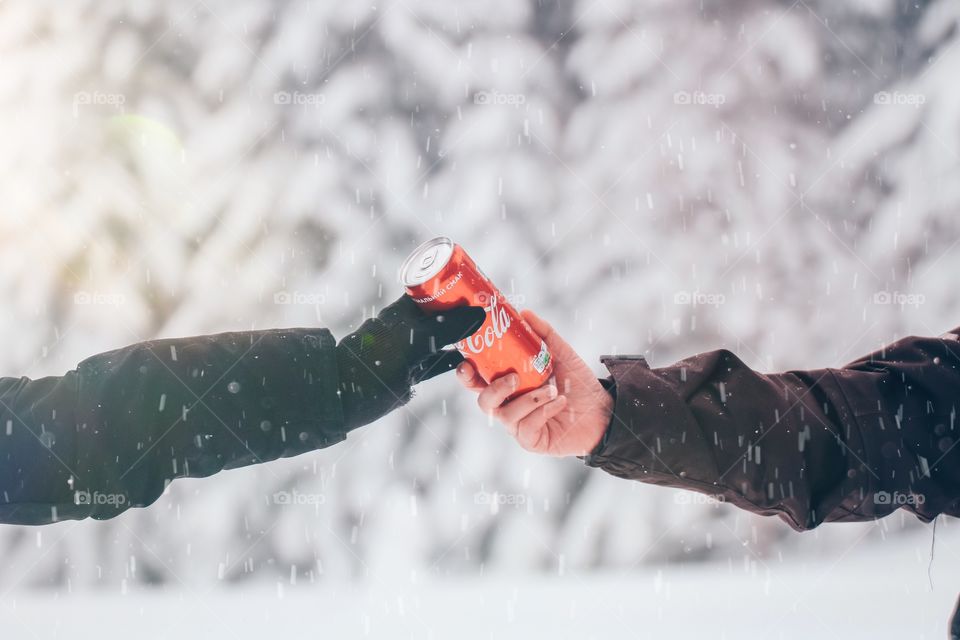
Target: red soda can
(440,275)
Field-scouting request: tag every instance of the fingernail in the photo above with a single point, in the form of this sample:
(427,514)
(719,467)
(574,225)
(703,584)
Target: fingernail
(514,380)
(551,392)
(460,370)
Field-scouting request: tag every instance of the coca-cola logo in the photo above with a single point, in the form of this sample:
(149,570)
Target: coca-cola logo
(494,331)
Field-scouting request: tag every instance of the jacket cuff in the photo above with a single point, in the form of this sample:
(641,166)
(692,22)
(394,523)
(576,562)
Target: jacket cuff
(651,436)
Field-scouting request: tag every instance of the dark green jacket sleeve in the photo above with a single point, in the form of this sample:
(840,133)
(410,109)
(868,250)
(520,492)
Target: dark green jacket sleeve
(826,445)
(113,433)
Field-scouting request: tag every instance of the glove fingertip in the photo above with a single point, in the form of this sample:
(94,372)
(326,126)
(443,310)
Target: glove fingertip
(448,326)
(476,316)
(469,319)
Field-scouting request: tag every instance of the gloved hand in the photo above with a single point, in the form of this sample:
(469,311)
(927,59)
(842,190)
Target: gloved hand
(387,355)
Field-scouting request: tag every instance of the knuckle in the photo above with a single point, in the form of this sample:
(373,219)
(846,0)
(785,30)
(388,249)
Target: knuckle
(508,380)
(482,400)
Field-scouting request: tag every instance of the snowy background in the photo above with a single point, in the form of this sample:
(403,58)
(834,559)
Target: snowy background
(660,177)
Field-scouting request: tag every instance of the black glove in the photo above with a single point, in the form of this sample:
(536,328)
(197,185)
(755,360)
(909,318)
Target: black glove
(387,355)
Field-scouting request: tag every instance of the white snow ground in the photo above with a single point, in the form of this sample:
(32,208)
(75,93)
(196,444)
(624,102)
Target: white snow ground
(873,589)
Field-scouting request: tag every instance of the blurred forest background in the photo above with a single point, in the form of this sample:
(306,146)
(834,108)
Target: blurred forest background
(661,177)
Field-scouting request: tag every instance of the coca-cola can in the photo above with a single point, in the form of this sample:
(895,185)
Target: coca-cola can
(440,275)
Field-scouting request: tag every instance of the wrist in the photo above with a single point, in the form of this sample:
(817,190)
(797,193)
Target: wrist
(367,391)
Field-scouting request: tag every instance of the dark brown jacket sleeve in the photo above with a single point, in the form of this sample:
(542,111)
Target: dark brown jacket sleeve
(826,445)
(112,433)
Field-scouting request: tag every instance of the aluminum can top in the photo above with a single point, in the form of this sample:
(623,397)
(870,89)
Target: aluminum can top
(426,261)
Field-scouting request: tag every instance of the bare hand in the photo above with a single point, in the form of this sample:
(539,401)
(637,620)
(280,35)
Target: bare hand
(568,419)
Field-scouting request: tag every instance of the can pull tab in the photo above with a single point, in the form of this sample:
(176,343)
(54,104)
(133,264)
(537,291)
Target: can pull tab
(428,259)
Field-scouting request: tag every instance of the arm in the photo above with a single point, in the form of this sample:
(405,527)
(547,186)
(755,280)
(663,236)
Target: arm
(845,444)
(112,433)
